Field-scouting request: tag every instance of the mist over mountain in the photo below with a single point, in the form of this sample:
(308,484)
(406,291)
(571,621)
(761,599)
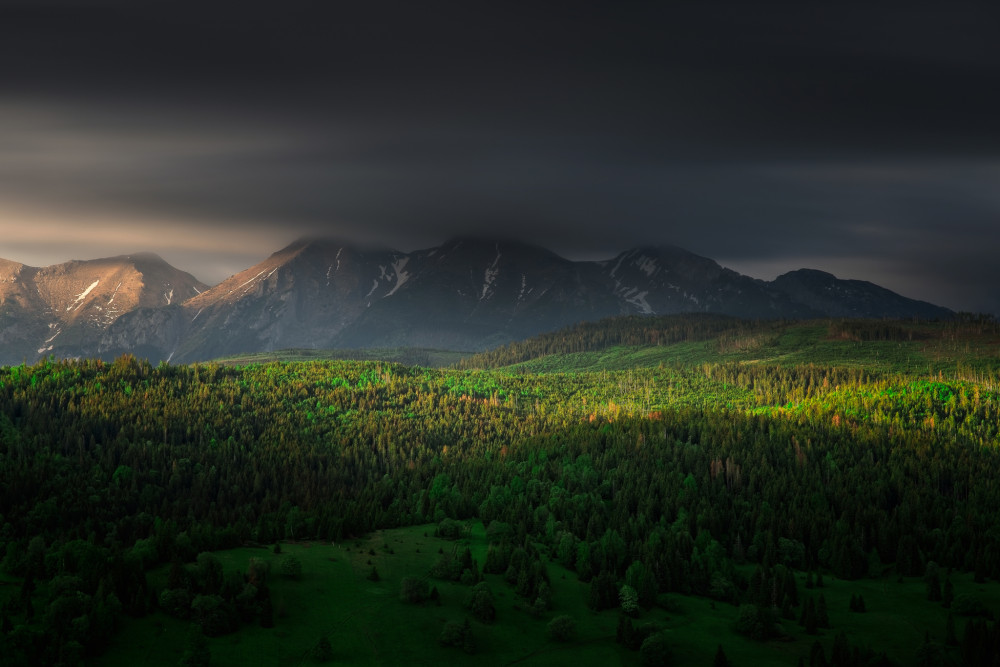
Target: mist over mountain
(467,294)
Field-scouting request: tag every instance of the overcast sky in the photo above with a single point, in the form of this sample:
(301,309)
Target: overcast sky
(857,139)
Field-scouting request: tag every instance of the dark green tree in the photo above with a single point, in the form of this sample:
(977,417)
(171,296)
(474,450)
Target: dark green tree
(562,628)
(197,652)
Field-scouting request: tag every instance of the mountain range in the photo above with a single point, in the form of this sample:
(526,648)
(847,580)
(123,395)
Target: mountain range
(467,294)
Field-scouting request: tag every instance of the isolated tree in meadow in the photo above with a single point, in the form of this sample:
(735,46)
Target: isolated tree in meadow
(809,620)
(840,654)
(602,592)
(948,596)
(817,656)
(197,653)
(629,600)
(413,590)
(822,617)
(480,603)
(932,578)
(458,635)
(291,566)
(209,572)
(562,628)
(257,572)
(323,652)
(654,651)
(625,634)
(950,637)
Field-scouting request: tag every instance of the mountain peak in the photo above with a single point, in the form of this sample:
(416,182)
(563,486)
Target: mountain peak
(809,274)
(468,293)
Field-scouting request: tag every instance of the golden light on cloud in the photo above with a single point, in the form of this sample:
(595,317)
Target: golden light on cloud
(39,237)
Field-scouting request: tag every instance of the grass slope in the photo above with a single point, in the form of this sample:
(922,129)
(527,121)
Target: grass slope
(367,624)
(791,344)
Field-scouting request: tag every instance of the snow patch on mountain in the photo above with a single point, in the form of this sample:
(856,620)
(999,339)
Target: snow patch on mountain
(83,295)
(247,282)
(401,275)
(112,299)
(49,340)
(333,268)
(169,295)
(490,275)
(617,265)
(638,299)
(647,265)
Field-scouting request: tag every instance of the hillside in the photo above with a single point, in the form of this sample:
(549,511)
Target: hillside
(966,345)
(721,484)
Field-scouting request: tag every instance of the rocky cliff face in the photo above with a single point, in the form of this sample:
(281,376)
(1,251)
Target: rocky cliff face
(466,294)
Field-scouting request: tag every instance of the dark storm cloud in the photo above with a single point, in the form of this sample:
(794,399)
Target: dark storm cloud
(859,137)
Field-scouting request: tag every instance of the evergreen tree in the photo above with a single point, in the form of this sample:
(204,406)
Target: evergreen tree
(950,638)
(948,596)
(822,618)
(197,653)
(810,620)
(323,651)
(840,656)
(817,657)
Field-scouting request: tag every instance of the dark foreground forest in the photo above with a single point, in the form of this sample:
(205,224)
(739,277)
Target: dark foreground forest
(738,474)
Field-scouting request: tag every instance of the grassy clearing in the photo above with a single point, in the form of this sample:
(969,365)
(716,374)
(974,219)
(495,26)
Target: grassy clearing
(367,624)
(929,353)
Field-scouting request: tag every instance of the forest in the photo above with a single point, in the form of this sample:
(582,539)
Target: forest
(651,460)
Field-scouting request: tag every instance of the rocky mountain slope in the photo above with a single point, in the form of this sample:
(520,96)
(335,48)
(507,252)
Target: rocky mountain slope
(64,309)
(466,294)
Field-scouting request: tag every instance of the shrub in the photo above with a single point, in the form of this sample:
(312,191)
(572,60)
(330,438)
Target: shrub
(480,603)
(413,590)
(291,567)
(562,628)
(176,602)
(654,651)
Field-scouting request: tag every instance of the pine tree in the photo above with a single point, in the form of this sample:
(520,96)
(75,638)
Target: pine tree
(949,594)
(950,638)
(809,618)
(840,655)
(720,658)
(323,651)
(822,618)
(817,657)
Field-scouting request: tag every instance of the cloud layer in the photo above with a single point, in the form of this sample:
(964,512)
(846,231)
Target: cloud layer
(854,139)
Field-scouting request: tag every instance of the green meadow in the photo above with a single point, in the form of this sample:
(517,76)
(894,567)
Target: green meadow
(367,623)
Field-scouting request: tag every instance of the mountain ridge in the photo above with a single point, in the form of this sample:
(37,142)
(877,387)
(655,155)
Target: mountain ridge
(469,293)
